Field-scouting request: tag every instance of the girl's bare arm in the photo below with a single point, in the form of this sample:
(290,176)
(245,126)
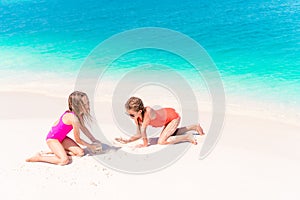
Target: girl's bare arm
(144,125)
(76,131)
(86,131)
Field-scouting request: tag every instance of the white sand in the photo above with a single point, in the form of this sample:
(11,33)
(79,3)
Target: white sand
(256,158)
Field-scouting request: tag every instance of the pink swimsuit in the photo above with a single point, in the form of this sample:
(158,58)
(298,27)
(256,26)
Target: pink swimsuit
(61,130)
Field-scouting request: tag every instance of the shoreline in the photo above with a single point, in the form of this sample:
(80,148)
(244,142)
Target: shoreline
(60,85)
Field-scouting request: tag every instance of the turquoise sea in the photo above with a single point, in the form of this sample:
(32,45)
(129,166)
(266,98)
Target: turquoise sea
(255,44)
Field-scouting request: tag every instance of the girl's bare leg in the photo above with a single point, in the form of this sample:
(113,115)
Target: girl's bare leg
(168,131)
(72,148)
(166,138)
(60,156)
(182,138)
(195,127)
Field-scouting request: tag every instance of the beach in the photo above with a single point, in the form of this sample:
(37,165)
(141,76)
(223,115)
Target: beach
(232,66)
(255,157)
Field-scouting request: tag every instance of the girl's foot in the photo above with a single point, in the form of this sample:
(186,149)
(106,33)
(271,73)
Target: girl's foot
(192,139)
(199,130)
(35,158)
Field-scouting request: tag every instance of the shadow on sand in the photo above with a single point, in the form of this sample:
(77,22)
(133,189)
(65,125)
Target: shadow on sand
(105,149)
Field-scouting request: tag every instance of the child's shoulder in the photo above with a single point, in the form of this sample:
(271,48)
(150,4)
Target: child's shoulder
(148,108)
(150,113)
(69,115)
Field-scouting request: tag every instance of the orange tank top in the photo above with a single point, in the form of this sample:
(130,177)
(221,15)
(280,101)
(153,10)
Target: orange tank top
(163,117)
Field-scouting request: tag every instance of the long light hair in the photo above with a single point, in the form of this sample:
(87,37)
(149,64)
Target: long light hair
(77,106)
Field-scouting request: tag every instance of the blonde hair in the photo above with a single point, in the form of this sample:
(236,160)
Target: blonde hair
(77,106)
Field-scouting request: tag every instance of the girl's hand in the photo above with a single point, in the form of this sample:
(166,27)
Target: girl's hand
(121,140)
(95,147)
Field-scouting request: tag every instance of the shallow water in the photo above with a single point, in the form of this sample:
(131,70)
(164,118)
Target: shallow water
(255,45)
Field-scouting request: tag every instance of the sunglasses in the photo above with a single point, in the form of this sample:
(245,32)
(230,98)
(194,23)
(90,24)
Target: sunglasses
(130,115)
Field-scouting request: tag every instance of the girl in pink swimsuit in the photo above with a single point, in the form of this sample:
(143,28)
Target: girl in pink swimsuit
(58,141)
(60,130)
(165,117)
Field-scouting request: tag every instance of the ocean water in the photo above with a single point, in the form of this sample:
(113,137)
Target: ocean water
(254,44)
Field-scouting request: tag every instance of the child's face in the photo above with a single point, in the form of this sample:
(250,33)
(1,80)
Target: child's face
(133,114)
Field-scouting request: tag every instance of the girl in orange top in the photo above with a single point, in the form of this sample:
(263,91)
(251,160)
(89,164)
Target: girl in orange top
(165,117)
